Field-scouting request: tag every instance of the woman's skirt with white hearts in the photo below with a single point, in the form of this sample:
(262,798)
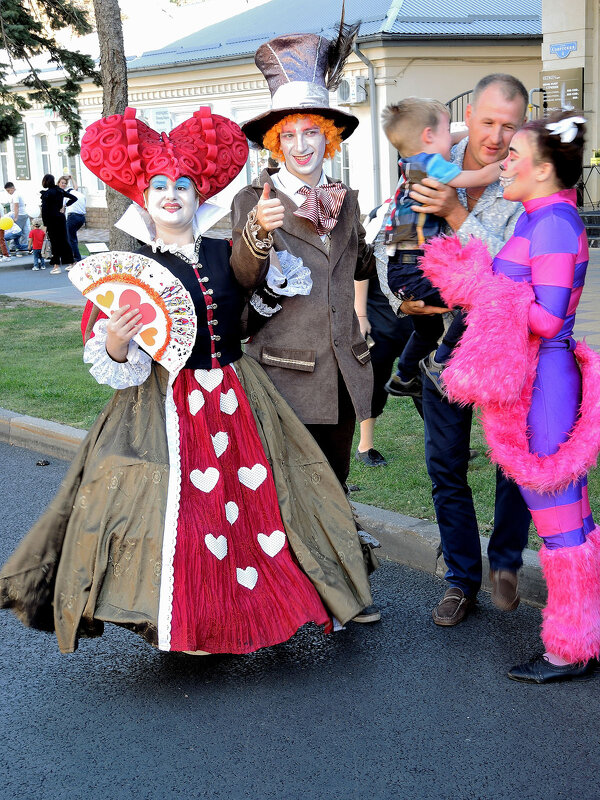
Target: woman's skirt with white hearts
(167,523)
(235,583)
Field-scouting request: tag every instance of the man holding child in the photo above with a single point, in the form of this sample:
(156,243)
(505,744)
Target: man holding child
(497,111)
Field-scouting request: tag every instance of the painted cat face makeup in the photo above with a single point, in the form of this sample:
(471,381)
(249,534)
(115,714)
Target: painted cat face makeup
(519,169)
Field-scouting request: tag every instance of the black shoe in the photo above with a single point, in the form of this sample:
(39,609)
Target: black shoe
(371,458)
(430,367)
(540,670)
(473,454)
(399,388)
(368,614)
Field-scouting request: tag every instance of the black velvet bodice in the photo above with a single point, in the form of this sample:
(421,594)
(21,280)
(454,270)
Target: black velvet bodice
(227,294)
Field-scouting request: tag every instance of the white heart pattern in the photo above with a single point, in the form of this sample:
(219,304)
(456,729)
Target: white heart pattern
(217,546)
(195,401)
(231,512)
(252,478)
(205,481)
(247,577)
(209,379)
(228,402)
(271,544)
(220,441)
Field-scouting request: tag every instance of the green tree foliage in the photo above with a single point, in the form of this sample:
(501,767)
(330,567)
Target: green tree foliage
(26,31)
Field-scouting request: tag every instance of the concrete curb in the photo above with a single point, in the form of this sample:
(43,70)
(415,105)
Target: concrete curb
(404,540)
(52,438)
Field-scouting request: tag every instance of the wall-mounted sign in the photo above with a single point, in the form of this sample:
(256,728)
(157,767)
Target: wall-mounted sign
(563,49)
(21,152)
(563,88)
(161,119)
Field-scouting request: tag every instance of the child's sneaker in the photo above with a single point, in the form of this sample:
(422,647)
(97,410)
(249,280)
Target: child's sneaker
(43,266)
(35,269)
(399,388)
(430,367)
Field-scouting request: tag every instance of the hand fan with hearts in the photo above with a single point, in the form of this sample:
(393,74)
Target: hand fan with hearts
(111,280)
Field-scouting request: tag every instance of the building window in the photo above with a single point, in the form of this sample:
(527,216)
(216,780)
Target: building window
(45,153)
(338,167)
(4,162)
(257,161)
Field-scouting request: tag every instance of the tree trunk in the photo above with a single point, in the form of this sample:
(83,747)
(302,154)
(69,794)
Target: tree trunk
(113,69)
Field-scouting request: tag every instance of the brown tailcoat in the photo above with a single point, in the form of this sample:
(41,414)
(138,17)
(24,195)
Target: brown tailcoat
(312,339)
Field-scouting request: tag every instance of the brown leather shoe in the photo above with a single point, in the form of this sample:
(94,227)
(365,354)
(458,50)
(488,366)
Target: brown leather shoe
(505,589)
(453,607)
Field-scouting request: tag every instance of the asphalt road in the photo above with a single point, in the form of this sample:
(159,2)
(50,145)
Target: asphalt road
(400,709)
(18,279)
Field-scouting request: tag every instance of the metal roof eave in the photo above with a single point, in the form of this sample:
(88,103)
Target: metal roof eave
(192,64)
(452,40)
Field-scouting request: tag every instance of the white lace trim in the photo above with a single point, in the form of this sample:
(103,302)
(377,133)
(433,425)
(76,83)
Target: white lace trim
(262,308)
(132,372)
(167,575)
(187,250)
(287,275)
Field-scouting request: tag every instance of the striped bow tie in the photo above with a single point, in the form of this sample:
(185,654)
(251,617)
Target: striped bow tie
(322,205)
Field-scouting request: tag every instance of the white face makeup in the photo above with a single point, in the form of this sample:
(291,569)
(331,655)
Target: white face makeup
(519,173)
(303,146)
(172,205)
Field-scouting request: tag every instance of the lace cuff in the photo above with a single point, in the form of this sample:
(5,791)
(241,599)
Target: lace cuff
(258,247)
(132,372)
(287,275)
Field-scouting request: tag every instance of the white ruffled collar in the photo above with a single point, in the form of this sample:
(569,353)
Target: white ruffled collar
(187,250)
(137,222)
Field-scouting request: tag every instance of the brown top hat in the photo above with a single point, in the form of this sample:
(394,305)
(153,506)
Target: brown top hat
(301,69)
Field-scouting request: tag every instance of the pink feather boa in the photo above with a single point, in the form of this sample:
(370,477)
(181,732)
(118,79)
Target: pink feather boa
(494,366)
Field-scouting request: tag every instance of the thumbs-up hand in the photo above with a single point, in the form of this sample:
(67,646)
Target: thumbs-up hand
(269,211)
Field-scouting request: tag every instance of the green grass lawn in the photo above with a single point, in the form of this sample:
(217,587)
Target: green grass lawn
(42,374)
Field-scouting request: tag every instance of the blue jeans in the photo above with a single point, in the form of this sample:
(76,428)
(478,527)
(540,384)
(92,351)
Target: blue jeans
(447,439)
(74,222)
(10,236)
(38,261)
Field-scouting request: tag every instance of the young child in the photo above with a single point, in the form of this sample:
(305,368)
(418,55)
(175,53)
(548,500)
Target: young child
(36,240)
(419,128)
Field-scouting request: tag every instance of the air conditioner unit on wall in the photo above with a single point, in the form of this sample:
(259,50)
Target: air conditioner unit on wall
(352,91)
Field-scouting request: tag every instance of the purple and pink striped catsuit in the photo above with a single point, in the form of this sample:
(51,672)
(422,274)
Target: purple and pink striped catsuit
(549,250)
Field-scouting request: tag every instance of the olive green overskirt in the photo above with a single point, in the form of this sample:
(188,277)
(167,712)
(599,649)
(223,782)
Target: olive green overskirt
(95,554)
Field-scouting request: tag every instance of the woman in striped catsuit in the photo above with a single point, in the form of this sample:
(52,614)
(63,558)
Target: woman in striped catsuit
(549,250)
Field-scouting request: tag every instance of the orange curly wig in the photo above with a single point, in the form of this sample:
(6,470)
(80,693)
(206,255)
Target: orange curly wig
(332,134)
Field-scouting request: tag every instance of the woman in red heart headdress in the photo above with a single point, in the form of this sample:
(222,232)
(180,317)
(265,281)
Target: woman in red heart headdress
(198,511)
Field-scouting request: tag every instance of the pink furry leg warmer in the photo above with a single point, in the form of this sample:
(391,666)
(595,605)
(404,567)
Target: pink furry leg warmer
(571,619)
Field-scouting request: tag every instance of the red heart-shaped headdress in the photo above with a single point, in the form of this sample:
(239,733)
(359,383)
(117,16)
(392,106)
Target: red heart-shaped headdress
(125,153)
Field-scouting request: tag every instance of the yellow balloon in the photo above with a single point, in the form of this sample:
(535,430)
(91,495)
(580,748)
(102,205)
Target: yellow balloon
(6,223)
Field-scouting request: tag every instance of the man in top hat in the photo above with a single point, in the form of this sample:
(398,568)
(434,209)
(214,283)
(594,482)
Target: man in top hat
(306,230)
(311,347)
